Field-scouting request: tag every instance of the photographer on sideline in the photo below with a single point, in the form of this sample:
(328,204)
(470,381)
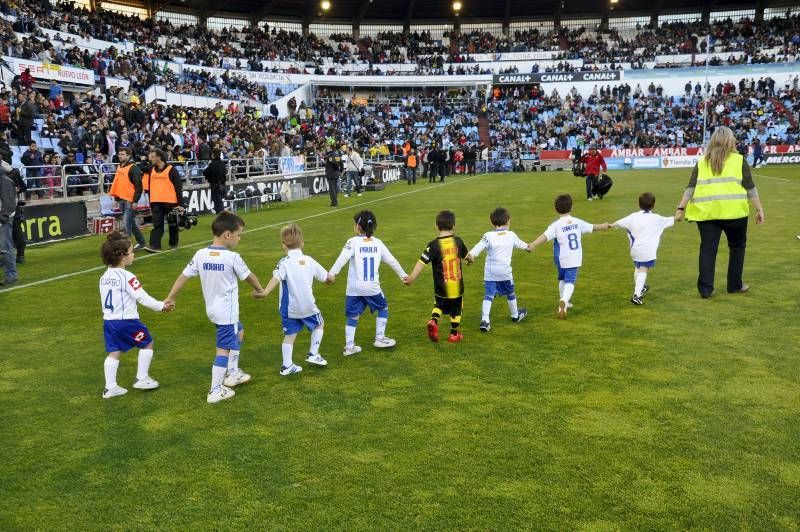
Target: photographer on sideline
(127,189)
(8,207)
(163,183)
(354,168)
(215,174)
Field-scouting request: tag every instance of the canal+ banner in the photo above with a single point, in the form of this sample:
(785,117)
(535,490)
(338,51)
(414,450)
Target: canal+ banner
(557,77)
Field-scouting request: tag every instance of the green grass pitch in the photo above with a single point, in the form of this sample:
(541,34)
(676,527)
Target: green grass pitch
(680,414)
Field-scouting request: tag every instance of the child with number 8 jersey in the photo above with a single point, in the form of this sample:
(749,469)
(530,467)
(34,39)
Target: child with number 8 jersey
(566,235)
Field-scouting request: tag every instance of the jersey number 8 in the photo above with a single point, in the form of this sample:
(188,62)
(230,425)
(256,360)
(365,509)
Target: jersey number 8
(573,241)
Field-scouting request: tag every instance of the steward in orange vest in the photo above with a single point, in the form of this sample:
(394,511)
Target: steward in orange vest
(163,183)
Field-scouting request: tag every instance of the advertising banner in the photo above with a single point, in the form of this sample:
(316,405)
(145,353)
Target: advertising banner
(782,158)
(45,71)
(680,161)
(54,221)
(557,77)
(292,165)
(646,162)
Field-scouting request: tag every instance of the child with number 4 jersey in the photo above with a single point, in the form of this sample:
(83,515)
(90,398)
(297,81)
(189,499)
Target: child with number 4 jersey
(566,233)
(364,254)
(120,291)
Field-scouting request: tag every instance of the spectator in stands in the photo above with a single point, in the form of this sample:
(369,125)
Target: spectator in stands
(26,79)
(55,91)
(32,159)
(8,207)
(26,114)
(216,173)
(6,154)
(717,198)
(5,115)
(164,185)
(127,189)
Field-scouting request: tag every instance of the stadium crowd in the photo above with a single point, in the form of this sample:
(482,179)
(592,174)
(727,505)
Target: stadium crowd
(525,119)
(773,40)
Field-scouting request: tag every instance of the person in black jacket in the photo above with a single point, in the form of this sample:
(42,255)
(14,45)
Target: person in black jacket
(334,166)
(8,206)
(215,173)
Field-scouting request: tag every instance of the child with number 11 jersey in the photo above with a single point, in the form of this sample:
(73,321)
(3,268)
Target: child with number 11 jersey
(364,253)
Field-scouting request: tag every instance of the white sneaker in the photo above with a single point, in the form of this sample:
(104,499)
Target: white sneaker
(316,360)
(348,351)
(220,393)
(589,199)
(294,368)
(235,378)
(114,392)
(384,341)
(347,195)
(359,194)
(148,383)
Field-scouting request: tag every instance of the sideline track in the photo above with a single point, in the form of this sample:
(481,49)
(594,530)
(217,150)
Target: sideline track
(260,228)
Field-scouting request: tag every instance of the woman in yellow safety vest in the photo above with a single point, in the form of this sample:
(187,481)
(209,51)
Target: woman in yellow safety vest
(717,199)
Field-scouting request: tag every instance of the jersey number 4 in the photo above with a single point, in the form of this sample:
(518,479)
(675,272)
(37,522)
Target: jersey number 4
(573,241)
(108,302)
(369,268)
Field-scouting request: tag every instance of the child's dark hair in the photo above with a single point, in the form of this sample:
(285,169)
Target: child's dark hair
(114,248)
(445,220)
(499,217)
(226,221)
(647,201)
(367,222)
(563,204)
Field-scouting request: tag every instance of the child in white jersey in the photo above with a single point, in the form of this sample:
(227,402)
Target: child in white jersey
(220,269)
(364,254)
(566,235)
(120,291)
(644,232)
(498,279)
(295,275)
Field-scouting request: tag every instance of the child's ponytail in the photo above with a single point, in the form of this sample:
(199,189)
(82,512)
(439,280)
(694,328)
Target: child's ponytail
(367,222)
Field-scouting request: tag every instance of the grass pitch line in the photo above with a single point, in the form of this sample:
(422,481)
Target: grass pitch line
(255,229)
(773,177)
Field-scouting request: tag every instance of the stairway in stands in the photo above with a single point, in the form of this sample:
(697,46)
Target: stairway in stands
(783,110)
(483,129)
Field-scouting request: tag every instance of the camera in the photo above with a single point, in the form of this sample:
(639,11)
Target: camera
(182,220)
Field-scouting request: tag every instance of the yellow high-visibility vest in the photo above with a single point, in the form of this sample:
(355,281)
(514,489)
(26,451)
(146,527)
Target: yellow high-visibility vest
(719,197)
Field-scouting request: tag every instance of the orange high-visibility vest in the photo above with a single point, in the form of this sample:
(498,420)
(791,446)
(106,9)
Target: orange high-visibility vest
(160,186)
(122,187)
(412,161)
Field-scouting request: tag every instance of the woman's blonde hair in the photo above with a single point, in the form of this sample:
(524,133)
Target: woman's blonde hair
(720,145)
(292,236)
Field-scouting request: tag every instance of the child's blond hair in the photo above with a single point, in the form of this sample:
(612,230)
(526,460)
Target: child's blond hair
(292,236)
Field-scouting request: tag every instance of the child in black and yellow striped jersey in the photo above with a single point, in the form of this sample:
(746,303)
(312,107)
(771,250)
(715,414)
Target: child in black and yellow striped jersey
(444,254)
